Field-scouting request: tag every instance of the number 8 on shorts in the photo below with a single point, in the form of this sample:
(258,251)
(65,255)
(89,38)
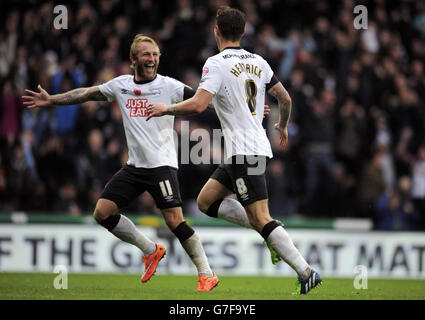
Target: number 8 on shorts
(240,184)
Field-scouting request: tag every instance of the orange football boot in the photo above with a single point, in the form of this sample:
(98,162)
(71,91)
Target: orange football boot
(206,283)
(152,261)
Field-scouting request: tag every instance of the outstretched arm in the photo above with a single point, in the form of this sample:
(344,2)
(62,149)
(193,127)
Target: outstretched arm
(285,106)
(76,96)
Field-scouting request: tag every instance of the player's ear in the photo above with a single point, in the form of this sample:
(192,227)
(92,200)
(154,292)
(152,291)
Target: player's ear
(133,60)
(216,30)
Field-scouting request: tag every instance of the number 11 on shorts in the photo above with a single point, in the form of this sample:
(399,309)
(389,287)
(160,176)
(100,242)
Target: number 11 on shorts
(166,188)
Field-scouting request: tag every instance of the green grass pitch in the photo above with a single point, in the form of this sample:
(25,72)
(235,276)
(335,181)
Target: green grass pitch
(35,286)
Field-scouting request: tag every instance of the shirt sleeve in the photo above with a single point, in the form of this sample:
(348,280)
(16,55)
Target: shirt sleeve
(188,93)
(211,77)
(108,89)
(176,90)
(268,72)
(272,82)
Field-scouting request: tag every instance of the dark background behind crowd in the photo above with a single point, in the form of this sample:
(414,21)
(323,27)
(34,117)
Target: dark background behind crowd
(357,131)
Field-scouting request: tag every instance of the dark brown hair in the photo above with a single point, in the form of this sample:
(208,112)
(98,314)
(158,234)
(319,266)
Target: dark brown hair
(231,23)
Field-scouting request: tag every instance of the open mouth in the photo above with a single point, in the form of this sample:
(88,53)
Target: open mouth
(150,67)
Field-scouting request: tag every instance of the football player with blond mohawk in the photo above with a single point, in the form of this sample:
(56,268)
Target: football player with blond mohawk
(152,160)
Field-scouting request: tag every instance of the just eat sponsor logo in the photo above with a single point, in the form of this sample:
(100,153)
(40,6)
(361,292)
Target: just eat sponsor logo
(137,107)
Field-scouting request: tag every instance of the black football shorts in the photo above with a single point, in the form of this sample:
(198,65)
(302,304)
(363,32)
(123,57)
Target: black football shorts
(130,182)
(245,176)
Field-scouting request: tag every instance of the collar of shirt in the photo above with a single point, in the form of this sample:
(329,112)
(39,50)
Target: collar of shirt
(143,81)
(231,48)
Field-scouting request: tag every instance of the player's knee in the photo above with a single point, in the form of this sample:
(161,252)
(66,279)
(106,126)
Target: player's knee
(172,217)
(103,211)
(203,203)
(210,208)
(99,216)
(172,222)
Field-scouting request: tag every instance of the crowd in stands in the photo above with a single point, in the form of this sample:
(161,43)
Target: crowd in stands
(357,130)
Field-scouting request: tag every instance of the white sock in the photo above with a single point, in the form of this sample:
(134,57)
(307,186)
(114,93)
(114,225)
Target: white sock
(194,249)
(127,231)
(281,242)
(231,210)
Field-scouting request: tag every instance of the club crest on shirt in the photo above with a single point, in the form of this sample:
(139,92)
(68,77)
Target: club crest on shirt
(137,107)
(138,92)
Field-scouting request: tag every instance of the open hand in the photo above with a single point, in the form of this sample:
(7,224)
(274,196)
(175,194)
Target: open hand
(34,100)
(156,110)
(283,135)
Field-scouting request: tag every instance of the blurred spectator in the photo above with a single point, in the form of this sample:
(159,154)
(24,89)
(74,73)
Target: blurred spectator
(382,145)
(300,95)
(27,142)
(38,200)
(371,186)
(4,197)
(318,132)
(404,151)
(8,42)
(339,201)
(55,167)
(11,107)
(67,200)
(67,78)
(351,134)
(395,209)
(19,178)
(92,116)
(418,181)
(92,162)
(281,200)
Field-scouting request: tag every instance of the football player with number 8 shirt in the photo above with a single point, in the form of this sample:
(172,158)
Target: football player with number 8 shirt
(236,81)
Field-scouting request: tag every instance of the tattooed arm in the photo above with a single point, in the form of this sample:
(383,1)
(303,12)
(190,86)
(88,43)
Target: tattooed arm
(76,96)
(284,102)
(285,106)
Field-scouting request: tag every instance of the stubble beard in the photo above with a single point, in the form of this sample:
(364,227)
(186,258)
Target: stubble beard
(140,69)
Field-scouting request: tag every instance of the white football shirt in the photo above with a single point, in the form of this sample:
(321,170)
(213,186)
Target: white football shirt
(150,143)
(237,79)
